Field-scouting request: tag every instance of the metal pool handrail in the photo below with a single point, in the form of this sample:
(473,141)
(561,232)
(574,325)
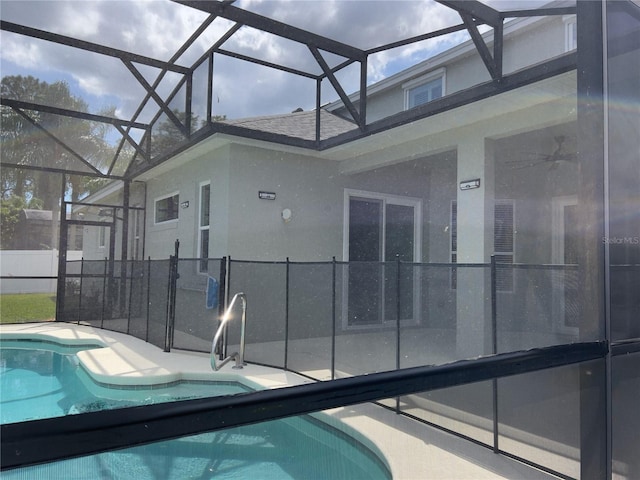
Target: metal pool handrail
(237,356)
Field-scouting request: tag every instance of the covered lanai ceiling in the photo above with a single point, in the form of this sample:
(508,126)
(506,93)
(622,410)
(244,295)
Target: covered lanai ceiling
(154,77)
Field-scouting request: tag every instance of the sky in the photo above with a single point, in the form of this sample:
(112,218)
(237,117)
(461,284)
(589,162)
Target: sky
(157,28)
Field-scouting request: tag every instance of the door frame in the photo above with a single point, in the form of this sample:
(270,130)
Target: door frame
(386,198)
(558,231)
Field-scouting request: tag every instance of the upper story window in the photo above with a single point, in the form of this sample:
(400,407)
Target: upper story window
(166,208)
(424,89)
(570,33)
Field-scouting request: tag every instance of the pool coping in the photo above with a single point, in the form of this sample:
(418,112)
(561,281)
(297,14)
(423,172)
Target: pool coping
(410,450)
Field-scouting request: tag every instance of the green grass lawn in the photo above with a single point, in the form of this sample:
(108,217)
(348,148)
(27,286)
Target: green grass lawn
(27,307)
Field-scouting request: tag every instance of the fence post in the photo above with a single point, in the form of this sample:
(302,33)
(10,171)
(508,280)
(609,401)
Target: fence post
(223,351)
(131,271)
(333,320)
(146,335)
(286,316)
(62,258)
(494,346)
(171,298)
(80,291)
(222,295)
(398,309)
(104,293)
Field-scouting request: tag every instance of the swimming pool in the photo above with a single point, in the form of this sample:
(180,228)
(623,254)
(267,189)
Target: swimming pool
(43,379)
(294,448)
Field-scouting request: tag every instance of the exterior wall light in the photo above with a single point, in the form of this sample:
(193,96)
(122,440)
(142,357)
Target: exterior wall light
(470,184)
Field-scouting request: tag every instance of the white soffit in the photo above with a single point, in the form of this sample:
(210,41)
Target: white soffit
(545,103)
(437,133)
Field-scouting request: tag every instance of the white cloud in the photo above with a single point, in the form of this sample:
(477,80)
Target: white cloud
(23,53)
(157,28)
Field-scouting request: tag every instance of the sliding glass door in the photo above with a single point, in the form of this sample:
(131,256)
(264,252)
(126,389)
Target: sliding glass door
(380,229)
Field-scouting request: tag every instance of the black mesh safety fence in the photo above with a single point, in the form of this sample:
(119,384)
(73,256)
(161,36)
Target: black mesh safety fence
(95,292)
(536,306)
(427,334)
(310,318)
(69,310)
(158,301)
(264,284)
(121,296)
(196,318)
(137,298)
(366,341)
(330,320)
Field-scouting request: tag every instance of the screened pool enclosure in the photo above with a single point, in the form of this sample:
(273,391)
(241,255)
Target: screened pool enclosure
(431,205)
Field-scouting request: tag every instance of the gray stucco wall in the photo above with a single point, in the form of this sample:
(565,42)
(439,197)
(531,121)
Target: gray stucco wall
(309,187)
(527,46)
(186,180)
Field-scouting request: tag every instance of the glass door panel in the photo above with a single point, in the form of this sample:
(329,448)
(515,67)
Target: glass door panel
(399,244)
(365,253)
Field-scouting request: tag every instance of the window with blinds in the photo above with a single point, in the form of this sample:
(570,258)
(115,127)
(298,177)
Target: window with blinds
(503,243)
(166,208)
(503,240)
(424,89)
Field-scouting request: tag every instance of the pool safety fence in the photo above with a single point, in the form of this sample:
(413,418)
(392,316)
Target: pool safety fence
(314,317)
(336,320)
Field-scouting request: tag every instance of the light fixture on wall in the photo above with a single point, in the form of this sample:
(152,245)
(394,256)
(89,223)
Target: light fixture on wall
(266,195)
(287,214)
(470,184)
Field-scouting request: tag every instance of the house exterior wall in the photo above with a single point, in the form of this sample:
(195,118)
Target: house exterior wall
(242,225)
(186,180)
(534,43)
(309,187)
(525,43)
(92,249)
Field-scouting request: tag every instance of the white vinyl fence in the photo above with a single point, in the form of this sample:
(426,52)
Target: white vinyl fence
(30,263)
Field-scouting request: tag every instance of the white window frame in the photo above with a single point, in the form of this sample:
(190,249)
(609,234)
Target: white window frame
(155,209)
(202,227)
(136,233)
(440,73)
(102,237)
(558,229)
(570,32)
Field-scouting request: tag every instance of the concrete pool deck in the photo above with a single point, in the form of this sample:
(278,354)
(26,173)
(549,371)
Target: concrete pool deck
(411,449)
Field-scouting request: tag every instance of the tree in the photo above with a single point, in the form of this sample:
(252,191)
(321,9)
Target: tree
(167,136)
(24,143)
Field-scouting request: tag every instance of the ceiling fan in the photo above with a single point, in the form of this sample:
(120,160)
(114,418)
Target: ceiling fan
(554,159)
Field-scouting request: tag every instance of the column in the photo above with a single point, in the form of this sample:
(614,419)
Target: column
(475,218)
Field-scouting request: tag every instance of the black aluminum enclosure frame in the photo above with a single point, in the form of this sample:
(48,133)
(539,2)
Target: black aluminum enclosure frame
(41,441)
(46,440)
(472,13)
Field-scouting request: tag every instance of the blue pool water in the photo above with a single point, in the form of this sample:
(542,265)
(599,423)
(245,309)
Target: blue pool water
(46,381)
(43,380)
